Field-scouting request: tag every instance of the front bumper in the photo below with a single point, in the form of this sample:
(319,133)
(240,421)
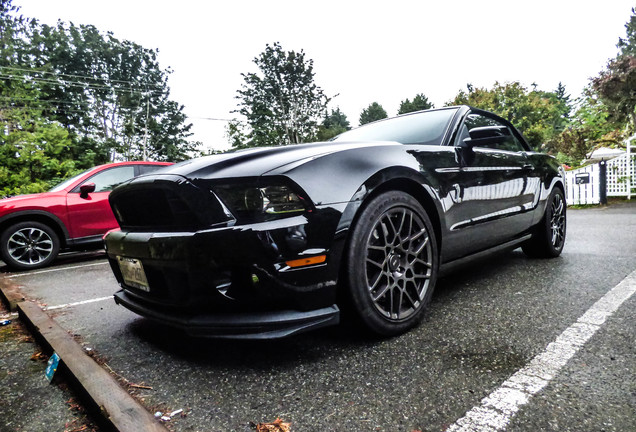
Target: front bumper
(233,281)
(247,325)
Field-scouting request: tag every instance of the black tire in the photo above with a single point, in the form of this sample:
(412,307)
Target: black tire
(29,245)
(548,237)
(391,265)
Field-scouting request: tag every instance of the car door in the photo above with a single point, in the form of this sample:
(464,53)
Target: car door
(90,214)
(494,185)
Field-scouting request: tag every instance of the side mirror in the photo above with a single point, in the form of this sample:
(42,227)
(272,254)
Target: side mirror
(485,136)
(86,188)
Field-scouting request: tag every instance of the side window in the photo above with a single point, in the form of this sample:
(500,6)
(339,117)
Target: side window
(145,169)
(108,179)
(472,121)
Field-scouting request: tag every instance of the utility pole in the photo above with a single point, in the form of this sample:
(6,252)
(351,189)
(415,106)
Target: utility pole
(146,127)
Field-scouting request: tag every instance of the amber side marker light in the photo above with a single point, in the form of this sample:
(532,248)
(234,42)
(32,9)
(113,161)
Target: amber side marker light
(307,261)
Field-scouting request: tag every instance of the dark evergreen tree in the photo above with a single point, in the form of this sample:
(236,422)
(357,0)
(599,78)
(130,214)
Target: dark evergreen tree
(334,124)
(372,113)
(420,102)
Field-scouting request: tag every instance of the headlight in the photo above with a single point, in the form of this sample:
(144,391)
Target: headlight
(260,203)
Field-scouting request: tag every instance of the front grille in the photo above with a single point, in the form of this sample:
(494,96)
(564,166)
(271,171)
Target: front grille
(160,204)
(154,209)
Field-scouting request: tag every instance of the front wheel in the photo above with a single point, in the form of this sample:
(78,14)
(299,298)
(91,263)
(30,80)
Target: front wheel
(29,245)
(392,263)
(548,237)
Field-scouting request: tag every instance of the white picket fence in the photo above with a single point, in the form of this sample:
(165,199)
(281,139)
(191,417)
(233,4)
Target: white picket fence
(619,176)
(582,185)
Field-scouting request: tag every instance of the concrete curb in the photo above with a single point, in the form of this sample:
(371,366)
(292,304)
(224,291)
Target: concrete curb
(10,294)
(100,390)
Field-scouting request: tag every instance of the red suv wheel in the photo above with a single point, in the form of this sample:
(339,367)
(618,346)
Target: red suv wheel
(29,245)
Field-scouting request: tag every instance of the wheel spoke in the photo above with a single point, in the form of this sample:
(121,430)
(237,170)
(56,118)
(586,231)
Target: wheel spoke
(382,293)
(413,303)
(428,264)
(394,231)
(423,245)
(397,305)
(402,216)
(377,280)
(19,254)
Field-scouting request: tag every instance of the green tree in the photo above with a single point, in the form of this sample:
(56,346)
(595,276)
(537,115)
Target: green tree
(605,113)
(589,127)
(112,94)
(72,97)
(627,46)
(281,103)
(33,149)
(616,85)
(372,113)
(534,113)
(12,28)
(237,134)
(334,124)
(420,102)
(565,106)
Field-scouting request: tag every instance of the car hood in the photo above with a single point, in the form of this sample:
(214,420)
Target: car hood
(259,161)
(40,201)
(20,199)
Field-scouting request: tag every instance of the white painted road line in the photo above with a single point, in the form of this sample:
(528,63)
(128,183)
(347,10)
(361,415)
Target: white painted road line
(498,408)
(48,308)
(54,270)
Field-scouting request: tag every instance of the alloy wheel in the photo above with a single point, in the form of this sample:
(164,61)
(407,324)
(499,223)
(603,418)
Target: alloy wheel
(557,221)
(399,263)
(30,246)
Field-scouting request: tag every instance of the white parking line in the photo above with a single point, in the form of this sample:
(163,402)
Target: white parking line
(48,308)
(54,269)
(498,408)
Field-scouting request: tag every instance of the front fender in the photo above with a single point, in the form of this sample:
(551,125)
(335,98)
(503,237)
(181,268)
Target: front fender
(35,215)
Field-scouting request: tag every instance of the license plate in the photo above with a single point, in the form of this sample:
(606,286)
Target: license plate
(133,273)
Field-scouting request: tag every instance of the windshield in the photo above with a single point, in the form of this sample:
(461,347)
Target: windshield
(66,183)
(425,128)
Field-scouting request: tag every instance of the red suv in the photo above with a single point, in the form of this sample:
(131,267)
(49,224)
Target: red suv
(75,214)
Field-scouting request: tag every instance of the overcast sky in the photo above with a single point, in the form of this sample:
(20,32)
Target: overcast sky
(364,51)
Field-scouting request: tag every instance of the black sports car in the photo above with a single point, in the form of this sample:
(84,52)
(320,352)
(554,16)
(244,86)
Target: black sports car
(268,242)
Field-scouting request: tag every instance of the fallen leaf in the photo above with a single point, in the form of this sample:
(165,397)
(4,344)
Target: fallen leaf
(39,356)
(276,426)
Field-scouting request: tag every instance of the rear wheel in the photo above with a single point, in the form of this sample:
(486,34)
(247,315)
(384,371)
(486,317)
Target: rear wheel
(29,245)
(548,237)
(392,263)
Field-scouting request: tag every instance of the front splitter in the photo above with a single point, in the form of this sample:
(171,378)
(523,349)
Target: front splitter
(244,325)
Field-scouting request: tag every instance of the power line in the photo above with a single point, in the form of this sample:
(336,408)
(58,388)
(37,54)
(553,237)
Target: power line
(77,76)
(84,85)
(11,98)
(47,108)
(52,105)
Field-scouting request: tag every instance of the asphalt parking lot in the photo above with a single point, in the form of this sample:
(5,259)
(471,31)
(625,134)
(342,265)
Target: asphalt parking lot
(486,322)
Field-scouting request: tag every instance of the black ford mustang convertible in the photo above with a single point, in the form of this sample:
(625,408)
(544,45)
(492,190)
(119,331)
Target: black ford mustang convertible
(268,242)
